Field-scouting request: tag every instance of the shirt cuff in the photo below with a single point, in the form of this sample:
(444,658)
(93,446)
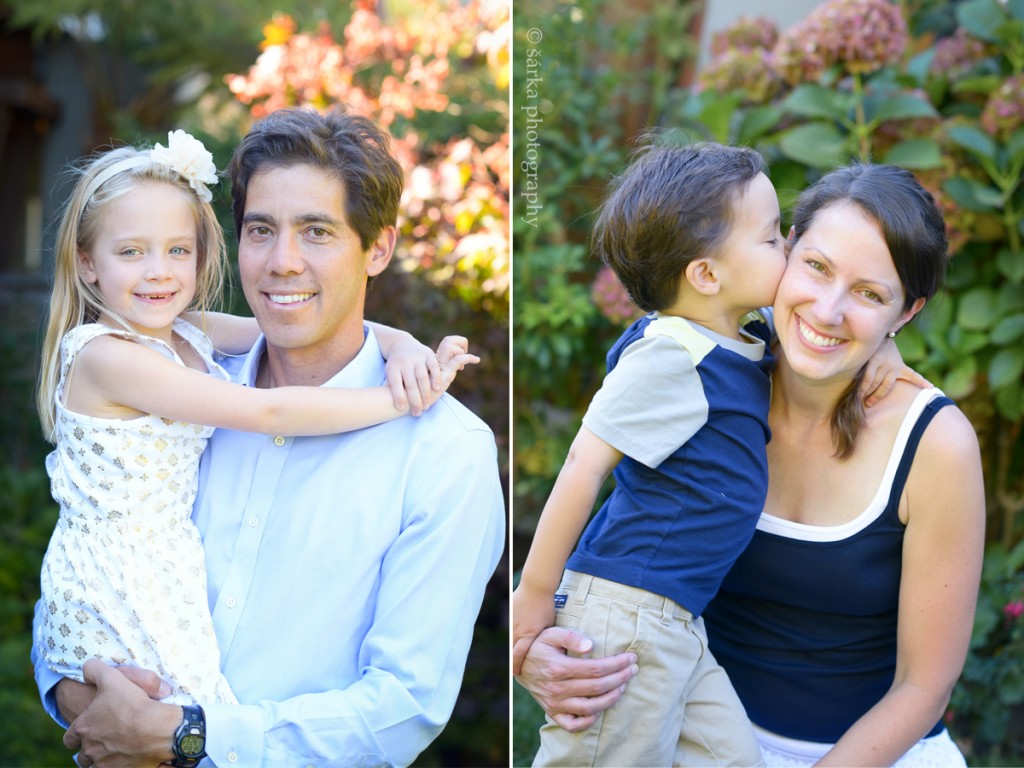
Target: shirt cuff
(234,735)
(47,681)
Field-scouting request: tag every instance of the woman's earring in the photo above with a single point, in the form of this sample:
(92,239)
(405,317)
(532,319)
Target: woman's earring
(892,334)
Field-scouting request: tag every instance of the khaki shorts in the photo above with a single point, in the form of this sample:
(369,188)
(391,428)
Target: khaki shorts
(679,710)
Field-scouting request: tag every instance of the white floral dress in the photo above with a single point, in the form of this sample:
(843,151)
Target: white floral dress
(124,577)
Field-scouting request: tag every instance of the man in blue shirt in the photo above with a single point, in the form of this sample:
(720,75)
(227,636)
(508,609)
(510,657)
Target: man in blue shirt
(345,572)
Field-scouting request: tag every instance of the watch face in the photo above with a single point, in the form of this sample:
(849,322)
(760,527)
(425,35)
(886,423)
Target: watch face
(191,744)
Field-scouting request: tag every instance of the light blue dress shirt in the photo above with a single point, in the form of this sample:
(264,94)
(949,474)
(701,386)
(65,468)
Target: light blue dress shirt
(345,575)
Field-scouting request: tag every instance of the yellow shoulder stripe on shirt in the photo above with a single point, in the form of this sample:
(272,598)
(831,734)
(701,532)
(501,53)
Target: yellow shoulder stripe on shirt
(695,342)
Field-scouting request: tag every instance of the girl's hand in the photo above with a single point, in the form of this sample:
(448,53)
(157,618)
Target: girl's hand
(451,357)
(882,371)
(418,376)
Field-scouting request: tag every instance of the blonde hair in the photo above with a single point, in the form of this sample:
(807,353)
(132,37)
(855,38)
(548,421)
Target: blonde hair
(73,301)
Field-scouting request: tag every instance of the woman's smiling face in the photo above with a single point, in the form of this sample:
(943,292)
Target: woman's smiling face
(840,295)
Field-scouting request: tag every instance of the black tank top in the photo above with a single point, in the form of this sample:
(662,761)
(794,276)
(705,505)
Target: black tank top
(805,622)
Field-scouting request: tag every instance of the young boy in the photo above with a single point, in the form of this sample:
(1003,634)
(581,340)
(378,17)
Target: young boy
(693,234)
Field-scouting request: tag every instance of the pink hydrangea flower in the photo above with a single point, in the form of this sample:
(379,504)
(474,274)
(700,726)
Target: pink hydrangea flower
(957,54)
(861,35)
(1013,610)
(747,34)
(611,298)
(1004,112)
(741,68)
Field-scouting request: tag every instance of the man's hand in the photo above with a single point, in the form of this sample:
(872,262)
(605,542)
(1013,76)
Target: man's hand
(122,726)
(73,697)
(573,691)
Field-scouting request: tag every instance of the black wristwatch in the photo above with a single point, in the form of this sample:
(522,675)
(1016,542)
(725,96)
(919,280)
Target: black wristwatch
(189,745)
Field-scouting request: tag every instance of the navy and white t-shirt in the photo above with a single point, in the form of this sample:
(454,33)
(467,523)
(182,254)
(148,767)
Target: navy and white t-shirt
(688,408)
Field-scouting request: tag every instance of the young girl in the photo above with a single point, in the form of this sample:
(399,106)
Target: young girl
(129,393)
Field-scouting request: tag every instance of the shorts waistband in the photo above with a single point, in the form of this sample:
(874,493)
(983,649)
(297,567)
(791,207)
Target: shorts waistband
(584,584)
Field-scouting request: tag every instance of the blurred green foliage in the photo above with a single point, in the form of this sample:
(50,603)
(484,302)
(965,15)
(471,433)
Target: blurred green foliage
(938,91)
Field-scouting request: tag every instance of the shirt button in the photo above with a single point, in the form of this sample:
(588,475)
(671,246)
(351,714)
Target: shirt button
(231,602)
(278,441)
(253,522)
(232,757)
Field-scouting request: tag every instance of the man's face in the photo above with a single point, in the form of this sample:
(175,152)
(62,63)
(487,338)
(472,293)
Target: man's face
(303,269)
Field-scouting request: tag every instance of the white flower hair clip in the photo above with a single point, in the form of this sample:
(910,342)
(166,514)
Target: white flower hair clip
(184,154)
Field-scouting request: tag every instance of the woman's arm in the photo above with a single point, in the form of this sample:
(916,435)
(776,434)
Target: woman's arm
(566,512)
(942,555)
(157,385)
(229,334)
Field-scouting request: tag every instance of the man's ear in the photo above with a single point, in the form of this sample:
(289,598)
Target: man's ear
(701,275)
(381,251)
(86,268)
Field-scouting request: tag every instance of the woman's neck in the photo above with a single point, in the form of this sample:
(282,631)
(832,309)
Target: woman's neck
(796,398)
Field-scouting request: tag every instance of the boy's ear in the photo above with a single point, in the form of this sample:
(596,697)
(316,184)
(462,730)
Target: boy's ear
(701,275)
(85,267)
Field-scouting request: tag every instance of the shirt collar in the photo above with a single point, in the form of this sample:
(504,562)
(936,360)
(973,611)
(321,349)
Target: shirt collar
(365,370)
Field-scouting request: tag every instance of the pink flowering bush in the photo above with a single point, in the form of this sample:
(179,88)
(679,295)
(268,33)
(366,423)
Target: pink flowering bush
(746,33)
(853,81)
(412,74)
(1003,115)
(612,299)
(861,35)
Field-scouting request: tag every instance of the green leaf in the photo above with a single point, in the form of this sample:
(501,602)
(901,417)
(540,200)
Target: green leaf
(717,114)
(757,122)
(919,65)
(910,343)
(1015,145)
(974,140)
(1008,329)
(810,100)
(984,84)
(819,145)
(959,382)
(900,107)
(1011,264)
(966,342)
(1009,300)
(973,195)
(981,18)
(916,154)
(1006,367)
(1010,401)
(977,309)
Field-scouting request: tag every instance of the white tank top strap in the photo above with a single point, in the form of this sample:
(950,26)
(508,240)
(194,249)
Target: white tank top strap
(794,530)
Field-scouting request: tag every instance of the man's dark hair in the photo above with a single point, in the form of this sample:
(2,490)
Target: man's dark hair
(347,146)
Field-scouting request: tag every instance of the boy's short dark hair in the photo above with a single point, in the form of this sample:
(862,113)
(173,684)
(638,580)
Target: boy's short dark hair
(343,144)
(673,204)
